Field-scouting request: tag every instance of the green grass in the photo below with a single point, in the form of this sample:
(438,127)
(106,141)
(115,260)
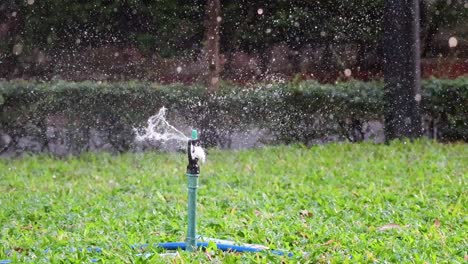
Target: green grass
(330,203)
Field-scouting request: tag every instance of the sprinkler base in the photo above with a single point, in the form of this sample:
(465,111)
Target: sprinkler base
(223,245)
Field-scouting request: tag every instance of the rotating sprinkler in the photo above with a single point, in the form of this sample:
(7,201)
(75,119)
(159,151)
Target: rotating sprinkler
(193,242)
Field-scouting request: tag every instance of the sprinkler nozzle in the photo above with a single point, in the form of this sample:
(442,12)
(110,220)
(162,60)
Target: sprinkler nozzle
(194,134)
(193,167)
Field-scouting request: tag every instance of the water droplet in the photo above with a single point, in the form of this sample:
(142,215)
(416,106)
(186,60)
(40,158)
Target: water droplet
(78,41)
(323,33)
(219,19)
(30,2)
(347,72)
(40,57)
(453,42)
(18,49)
(116,54)
(179,69)
(417,97)
(260,11)
(13,14)
(268,30)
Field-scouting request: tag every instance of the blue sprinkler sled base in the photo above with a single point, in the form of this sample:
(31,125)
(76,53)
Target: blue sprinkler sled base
(225,245)
(202,244)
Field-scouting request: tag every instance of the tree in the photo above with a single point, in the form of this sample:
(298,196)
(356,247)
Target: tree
(211,42)
(402,70)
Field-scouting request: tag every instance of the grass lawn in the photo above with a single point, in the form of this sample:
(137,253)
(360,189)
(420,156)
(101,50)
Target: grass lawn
(336,203)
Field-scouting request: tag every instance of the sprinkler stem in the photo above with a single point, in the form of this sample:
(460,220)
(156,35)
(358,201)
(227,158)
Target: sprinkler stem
(193,171)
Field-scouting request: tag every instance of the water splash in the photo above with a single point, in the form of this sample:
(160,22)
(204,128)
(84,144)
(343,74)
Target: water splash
(160,131)
(198,153)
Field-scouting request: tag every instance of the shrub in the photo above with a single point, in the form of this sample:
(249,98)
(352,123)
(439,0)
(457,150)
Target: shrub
(303,112)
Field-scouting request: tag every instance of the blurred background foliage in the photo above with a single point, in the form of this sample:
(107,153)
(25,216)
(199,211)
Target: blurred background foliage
(67,113)
(32,32)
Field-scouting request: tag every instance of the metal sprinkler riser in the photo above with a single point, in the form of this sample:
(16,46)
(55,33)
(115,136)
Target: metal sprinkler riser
(193,171)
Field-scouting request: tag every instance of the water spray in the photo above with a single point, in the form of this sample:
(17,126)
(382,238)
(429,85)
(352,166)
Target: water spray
(159,130)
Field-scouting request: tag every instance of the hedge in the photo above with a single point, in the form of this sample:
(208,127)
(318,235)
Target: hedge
(301,112)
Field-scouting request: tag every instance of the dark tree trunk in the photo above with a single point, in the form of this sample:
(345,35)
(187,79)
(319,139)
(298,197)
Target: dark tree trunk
(210,135)
(402,69)
(211,45)
(429,28)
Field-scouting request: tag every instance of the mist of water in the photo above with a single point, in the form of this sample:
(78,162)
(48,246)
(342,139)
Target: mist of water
(158,130)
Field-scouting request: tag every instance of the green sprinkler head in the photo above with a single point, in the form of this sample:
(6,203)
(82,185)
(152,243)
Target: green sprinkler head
(194,134)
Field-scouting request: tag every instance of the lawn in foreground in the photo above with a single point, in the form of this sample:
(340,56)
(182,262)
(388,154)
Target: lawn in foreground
(338,202)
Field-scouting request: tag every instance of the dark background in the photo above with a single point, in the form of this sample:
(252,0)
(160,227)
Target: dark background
(259,40)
